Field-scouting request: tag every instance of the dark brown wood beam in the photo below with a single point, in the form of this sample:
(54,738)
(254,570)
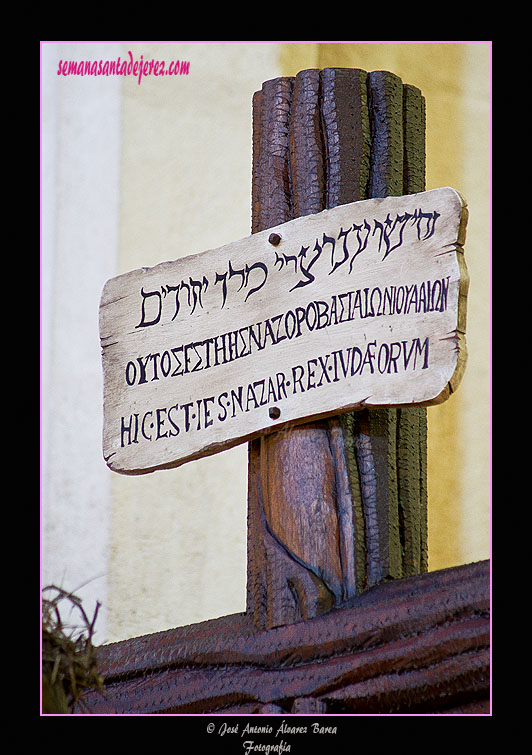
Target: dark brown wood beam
(417,644)
(338,505)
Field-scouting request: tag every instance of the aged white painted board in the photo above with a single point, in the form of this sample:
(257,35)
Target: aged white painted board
(361,305)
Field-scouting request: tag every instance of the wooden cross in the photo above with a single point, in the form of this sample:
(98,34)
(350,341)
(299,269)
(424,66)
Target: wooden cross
(319,339)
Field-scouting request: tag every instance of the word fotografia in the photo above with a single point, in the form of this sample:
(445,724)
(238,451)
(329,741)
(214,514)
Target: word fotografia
(278,748)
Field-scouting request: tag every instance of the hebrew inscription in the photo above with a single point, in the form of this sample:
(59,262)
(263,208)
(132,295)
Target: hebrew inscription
(252,278)
(362,305)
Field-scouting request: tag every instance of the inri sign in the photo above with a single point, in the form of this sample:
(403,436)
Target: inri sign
(361,305)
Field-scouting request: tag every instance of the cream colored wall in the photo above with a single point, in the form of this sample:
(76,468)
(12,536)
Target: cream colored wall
(178,537)
(80,137)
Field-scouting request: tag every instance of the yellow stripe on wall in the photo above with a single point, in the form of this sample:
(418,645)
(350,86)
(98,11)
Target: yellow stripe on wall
(448,74)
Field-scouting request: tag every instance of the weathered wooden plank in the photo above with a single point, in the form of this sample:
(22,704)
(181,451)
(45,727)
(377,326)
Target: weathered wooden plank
(399,499)
(385,92)
(307,160)
(281,587)
(347,145)
(379,429)
(191,367)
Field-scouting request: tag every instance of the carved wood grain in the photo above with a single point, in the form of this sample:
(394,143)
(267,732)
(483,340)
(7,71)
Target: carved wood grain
(416,645)
(337,505)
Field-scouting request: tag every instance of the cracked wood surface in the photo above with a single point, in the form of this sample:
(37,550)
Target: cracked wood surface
(418,644)
(329,518)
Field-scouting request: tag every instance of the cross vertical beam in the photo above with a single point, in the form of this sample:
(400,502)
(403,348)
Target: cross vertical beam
(337,505)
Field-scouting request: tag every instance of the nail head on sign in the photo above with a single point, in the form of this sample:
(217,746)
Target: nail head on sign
(275,412)
(274,239)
